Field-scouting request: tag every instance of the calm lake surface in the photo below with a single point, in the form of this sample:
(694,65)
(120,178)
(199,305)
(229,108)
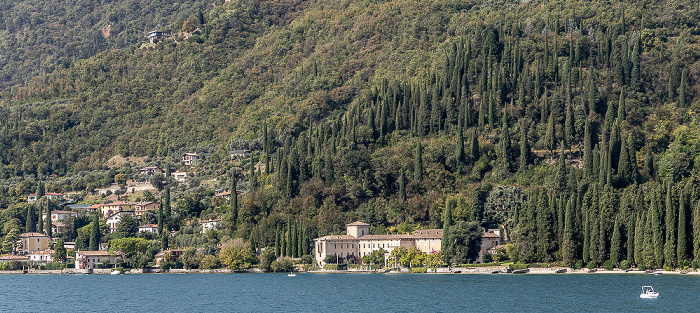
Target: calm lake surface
(346,293)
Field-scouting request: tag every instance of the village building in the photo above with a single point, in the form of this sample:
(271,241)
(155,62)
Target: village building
(13,258)
(357,242)
(240,154)
(151,170)
(57,227)
(490,240)
(179,176)
(210,224)
(59,215)
(43,256)
(142,207)
(168,256)
(148,228)
(115,218)
(31,242)
(89,259)
(155,35)
(119,206)
(93,208)
(59,197)
(190,158)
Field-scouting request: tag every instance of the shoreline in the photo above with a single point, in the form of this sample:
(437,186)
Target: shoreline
(439,271)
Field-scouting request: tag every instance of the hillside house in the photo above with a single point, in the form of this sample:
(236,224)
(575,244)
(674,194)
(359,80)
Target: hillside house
(59,215)
(240,154)
(210,224)
(490,239)
(142,207)
(151,170)
(114,220)
(148,228)
(59,197)
(154,36)
(190,158)
(168,256)
(119,206)
(179,176)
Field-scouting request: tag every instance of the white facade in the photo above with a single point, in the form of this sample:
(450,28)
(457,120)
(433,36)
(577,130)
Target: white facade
(114,220)
(59,215)
(209,225)
(88,259)
(148,228)
(44,256)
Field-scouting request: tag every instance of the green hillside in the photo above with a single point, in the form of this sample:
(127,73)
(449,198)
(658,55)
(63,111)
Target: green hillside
(571,125)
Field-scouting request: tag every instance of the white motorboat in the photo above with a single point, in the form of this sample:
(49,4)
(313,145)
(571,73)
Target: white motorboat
(115,273)
(291,274)
(648,293)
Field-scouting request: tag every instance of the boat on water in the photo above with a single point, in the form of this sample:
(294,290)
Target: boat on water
(115,273)
(291,274)
(648,293)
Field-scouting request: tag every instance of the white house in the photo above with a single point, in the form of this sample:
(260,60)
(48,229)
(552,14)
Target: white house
(151,170)
(88,259)
(115,218)
(31,198)
(190,158)
(240,154)
(179,176)
(43,256)
(59,215)
(148,228)
(209,224)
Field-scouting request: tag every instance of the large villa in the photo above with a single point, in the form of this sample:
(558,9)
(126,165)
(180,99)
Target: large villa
(358,242)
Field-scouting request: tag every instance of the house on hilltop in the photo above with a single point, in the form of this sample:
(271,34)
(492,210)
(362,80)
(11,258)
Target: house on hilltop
(190,158)
(32,198)
(151,170)
(155,35)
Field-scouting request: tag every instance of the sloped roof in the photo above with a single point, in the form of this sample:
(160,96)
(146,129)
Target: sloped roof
(148,226)
(95,253)
(428,233)
(336,237)
(357,223)
(25,235)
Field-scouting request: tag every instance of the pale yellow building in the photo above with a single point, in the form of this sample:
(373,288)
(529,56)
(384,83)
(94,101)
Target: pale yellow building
(358,242)
(31,242)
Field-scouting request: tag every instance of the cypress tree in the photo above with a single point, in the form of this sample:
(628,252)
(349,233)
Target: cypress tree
(586,236)
(550,139)
(167,210)
(696,231)
(681,89)
(670,218)
(161,219)
(95,234)
(492,111)
(40,228)
(673,80)
(418,163)
(234,201)
(460,156)
(616,243)
(506,158)
(447,222)
(329,171)
(625,171)
(277,242)
(650,251)
(402,185)
(474,146)
(631,223)
(569,130)
(164,238)
(649,164)
(567,242)
(639,240)
(621,109)
(283,243)
(681,254)
(29,227)
(525,152)
(657,242)
(290,242)
(48,219)
(614,146)
(610,116)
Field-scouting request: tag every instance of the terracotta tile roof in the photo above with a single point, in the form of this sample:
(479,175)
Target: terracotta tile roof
(148,226)
(95,253)
(428,233)
(25,235)
(94,206)
(489,235)
(210,221)
(42,252)
(48,194)
(357,223)
(8,257)
(63,212)
(336,237)
(386,237)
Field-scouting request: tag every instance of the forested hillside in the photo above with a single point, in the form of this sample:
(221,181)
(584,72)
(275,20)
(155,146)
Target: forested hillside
(571,125)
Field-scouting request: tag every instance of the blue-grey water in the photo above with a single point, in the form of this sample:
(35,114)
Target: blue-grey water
(346,293)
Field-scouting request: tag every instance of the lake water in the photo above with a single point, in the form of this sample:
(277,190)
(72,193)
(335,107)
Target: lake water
(346,293)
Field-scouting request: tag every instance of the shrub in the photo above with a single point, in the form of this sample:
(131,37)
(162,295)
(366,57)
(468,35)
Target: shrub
(695,264)
(578,265)
(487,258)
(591,265)
(624,265)
(210,262)
(683,264)
(307,259)
(641,267)
(283,264)
(419,270)
(608,265)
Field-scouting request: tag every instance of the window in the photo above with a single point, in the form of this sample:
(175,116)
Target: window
(363,232)
(335,246)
